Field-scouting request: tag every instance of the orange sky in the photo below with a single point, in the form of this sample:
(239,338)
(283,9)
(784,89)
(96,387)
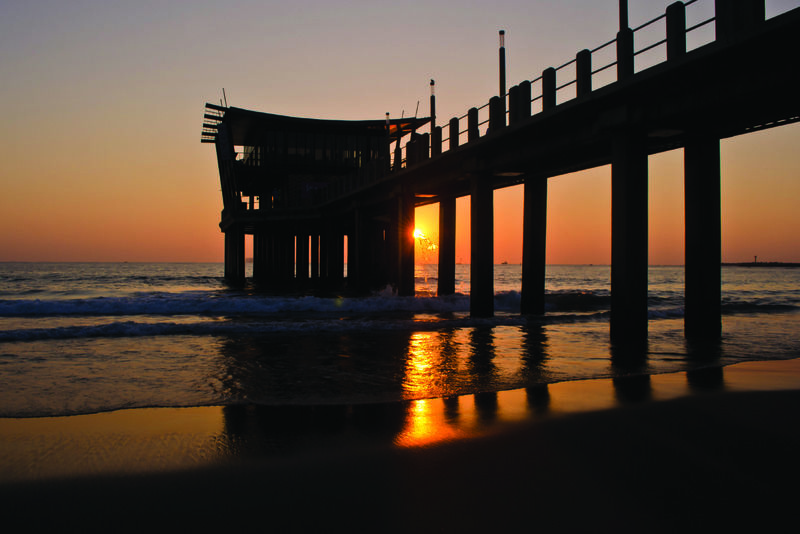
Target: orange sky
(99,142)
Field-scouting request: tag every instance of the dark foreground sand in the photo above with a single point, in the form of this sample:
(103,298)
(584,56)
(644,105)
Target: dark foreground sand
(699,462)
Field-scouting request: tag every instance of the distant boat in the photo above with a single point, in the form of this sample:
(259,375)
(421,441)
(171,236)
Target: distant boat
(503,263)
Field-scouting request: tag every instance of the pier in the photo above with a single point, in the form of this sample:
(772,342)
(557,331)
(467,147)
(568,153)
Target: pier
(305,189)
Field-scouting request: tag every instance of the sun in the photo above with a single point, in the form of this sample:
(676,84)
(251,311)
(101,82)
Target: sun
(419,234)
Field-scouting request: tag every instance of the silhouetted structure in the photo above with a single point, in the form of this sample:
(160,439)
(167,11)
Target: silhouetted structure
(742,81)
(282,181)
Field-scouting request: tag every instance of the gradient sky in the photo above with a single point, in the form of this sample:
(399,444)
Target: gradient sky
(100,147)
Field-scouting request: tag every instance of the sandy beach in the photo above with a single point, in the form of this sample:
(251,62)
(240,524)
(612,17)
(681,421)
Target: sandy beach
(666,453)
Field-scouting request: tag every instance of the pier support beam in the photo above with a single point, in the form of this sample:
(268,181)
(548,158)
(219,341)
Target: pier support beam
(356,257)
(301,258)
(534,241)
(324,244)
(261,256)
(447,246)
(234,256)
(335,245)
(314,256)
(703,237)
(629,240)
(481,300)
(405,243)
(284,254)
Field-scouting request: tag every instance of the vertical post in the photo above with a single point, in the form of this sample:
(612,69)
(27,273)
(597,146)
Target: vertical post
(472,125)
(524,100)
(336,257)
(234,256)
(301,257)
(259,255)
(629,240)
(355,267)
(436,141)
(398,156)
(423,147)
(534,241)
(433,105)
(624,44)
(405,242)
(386,148)
(481,300)
(502,92)
(324,245)
(703,237)
(314,256)
(513,105)
(454,133)
(676,30)
(624,54)
(447,245)
(285,255)
(548,88)
(497,114)
(412,151)
(583,68)
(623,14)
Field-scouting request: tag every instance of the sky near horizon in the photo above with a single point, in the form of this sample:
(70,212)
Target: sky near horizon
(103,104)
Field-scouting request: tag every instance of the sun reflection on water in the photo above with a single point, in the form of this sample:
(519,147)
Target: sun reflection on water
(422,370)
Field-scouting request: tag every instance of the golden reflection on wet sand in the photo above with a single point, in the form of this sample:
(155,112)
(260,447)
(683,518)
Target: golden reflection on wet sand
(161,439)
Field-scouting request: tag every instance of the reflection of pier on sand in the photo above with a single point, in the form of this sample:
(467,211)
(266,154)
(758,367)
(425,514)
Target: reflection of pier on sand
(565,457)
(209,435)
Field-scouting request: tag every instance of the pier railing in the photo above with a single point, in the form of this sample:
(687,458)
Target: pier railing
(678,30)
(685,26)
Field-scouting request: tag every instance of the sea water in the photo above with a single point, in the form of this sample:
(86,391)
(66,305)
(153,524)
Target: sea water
(84,338)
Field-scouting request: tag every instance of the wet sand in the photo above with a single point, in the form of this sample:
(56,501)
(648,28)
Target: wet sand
(687,452)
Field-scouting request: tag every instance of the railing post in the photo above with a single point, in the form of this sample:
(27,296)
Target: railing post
(513,104)
(436,141)
(453,133)
(583,71)
(736,17)
(676,30)
(497,114)
(524,100)
(548,88)
(624,54)
(472,125)
(423,147)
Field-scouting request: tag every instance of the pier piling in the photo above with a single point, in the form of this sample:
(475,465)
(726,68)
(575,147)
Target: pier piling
(629,207)
(481,301)
(703,237)
(447,245)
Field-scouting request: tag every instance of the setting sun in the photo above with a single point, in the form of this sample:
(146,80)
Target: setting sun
(418,234)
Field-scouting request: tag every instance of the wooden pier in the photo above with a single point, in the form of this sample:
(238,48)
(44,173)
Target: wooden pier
(301,187)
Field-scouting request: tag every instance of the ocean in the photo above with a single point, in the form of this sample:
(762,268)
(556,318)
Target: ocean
(82,338)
